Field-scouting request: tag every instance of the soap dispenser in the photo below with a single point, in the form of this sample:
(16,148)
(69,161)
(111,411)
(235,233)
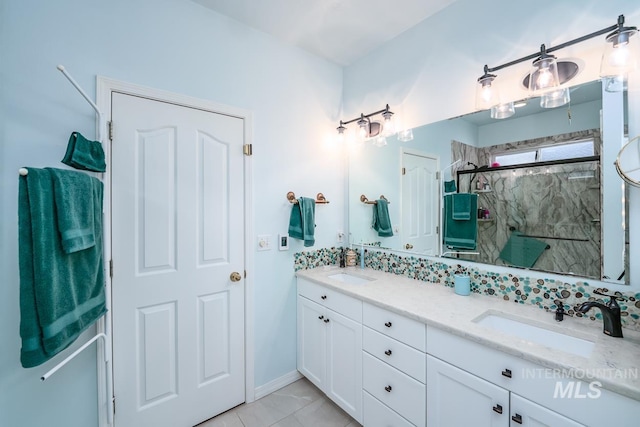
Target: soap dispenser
(342,259)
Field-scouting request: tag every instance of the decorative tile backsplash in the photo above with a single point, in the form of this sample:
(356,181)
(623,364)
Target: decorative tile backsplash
(511,287)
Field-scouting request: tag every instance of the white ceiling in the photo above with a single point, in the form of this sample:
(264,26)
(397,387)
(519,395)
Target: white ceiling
(339,30)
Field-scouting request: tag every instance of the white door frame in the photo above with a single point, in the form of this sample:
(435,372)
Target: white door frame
(104,87)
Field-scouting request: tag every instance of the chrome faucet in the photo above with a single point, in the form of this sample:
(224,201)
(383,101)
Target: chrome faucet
(610,314)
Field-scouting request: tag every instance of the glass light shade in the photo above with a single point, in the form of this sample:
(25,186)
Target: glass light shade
(405,135)
(362,132)
(544,75)
(380,141)
(615,83)
(388,125)
(487,94)
(503,111)
(555,98)
(620,56)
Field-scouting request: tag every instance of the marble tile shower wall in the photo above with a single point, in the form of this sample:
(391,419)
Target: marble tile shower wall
(511,287)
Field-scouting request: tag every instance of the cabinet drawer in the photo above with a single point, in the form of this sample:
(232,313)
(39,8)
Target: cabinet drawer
(378,415)
(403,329)
(396,390)
(404,358)
(336,301)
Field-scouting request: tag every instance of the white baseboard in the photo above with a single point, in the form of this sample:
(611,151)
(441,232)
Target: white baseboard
(277,384)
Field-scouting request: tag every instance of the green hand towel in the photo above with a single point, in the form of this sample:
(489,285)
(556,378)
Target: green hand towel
(74,208)
(84,154)
(460,234)
(450,186)
(61,294)
(381,221)
(302,221)
(462,206)
(520,251)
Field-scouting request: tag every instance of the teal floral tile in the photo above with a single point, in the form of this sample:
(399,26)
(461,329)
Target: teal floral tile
(547,294)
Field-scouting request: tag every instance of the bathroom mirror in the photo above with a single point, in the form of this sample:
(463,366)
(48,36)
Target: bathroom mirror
(575,206)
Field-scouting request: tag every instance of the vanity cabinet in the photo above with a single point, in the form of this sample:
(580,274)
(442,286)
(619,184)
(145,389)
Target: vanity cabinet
(538,396)
(458,398)
(330,344)
(394,369)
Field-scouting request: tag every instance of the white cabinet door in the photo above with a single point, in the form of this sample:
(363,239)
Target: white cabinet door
(312,338)
(344,363)
(526,413)
(456,398)
(330,354)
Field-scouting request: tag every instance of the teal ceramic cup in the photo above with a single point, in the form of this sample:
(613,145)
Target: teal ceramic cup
(462,284)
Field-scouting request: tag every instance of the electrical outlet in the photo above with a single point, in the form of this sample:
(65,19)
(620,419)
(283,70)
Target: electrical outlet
(396,229)
(264,242)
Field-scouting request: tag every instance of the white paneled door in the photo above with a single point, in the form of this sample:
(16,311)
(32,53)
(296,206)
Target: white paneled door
(420,203)
(177,244)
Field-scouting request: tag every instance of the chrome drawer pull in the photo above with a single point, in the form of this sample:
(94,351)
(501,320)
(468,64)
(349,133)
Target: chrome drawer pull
(498,409)
(506,373)
(387,324)
(388,388)
(388,352)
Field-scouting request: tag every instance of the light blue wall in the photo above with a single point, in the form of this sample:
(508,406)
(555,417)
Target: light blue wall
(179,46)
(583,117)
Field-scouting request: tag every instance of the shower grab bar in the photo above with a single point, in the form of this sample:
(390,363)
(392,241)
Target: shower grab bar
(571,239)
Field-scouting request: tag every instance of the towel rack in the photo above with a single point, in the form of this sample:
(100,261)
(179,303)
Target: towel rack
(364,199)
(104,330)
(320,199)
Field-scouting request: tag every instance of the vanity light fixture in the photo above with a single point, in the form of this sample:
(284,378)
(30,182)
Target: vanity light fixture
(548,74)
(503,111)
(367,128)
(555,98)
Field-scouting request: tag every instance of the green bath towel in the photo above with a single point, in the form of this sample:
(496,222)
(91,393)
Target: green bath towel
(74,208)
(381,221)
(520,251)
(84,154)
(302,223)
(460,234)
(61,294)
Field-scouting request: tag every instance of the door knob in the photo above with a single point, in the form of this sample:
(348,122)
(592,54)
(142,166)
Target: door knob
(235,276)
(408,246)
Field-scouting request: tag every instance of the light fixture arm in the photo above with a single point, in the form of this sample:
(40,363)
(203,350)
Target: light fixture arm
(366,116)
(619,26)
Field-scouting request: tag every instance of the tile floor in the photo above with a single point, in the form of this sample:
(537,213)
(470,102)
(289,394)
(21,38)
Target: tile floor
(299,404)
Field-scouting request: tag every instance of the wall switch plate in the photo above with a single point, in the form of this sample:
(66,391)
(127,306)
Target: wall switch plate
(396,229)
(283,242)
(264,242)
(340,237)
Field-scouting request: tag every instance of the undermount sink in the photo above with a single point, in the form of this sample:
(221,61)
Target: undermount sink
(536,334)
(350,278)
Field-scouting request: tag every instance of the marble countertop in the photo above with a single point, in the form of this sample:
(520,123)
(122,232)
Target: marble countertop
(615,362)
